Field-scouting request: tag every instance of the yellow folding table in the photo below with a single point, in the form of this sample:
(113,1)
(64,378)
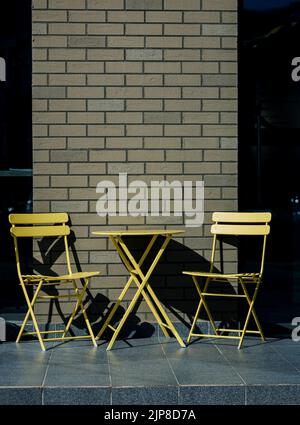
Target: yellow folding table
(140,278)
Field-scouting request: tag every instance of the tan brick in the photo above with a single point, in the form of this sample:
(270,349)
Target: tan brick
(202,17)
(219,29)
(165,142)
(144,130)
(220,155)
(48,117)
(123,41)
(219,55)
(105,4)
(70,206)
(40,156)
(169,167)
(230,168)
(106,105)
(182,80)
(200,67)
(163,16)
(124,142)
(105,130)
(69,181)
(85,142)
(86,41)
(162,117)
(39,130)
(219,105)
(146,156)
(39,4)
(66,80)
(49,143)
(124,117)
(85,92)
(66,54)
(123,92)
(67,28)
(48,92)
(182,105)
(50,194)
(39,80)
(162,92)
(40,181)
(116,168)
(88,169)
(107,156)
(105,54)
(66,4)
(50,169)
(182,29)
(125,16)
(144,105)
(182,4)
(85,67)
(184,155)
(219,130)
(162,67)
(105,80)
(201,93)
(164,42)
(144,4)
(49,16)
(201,42)
(85,117)
(86,16)
(105,29)
(143,29)
(123,67)
(229,93)
(200,143)
(229,67)
(49,41)
(144,54)
(202,168)
(182,54)
(229,118)
(229,42)
(67,130)
(183,130)
(39,54)
(39,28)
(67,105)
(144,80)
(200,117)
(39,105)
(219,4)
(48,67)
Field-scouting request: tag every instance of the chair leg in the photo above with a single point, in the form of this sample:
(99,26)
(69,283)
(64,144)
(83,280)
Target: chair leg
(30,312)
(79,296)
(253,311)
(248,316)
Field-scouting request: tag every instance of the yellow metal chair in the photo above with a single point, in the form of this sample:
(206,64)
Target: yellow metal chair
(39,226)
(232,224)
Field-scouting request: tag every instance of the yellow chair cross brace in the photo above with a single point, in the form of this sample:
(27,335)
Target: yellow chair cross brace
(49,225)
(141,280)
(238,224)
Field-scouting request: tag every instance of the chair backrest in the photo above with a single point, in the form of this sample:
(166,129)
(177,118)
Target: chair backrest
(241,224)
(33,225)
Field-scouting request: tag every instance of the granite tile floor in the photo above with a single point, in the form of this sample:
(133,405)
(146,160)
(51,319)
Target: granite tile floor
(151,371)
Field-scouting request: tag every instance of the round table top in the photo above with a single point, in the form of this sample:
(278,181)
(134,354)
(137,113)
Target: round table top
(138,232)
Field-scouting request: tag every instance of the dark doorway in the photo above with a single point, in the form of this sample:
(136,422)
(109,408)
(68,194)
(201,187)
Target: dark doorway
(269,144)
(15,138)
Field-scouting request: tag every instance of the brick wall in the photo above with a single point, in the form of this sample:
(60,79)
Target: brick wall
(146,87)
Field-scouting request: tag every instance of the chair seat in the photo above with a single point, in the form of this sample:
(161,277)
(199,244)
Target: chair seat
(33,279)
(222,276)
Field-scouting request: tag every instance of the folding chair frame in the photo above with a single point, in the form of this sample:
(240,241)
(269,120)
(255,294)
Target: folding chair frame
(23,226)
(223,226)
